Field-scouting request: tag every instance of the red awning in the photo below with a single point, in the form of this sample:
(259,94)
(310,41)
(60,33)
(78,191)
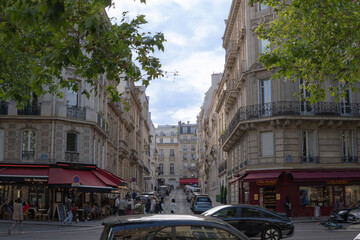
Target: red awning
(236,179)
(82,178)
(324,176)
(25,172)
(111,176)
(252,177)
(184,181)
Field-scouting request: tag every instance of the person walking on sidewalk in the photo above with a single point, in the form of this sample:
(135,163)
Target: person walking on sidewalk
(173,206)
(68,219)
(18,215)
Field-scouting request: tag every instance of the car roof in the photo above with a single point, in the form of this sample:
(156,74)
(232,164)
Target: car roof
(165,219)
(214,209)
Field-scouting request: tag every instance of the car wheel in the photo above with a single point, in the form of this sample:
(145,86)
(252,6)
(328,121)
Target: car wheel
(271,233)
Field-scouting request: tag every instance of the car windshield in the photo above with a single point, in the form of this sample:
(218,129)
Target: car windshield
(203,199)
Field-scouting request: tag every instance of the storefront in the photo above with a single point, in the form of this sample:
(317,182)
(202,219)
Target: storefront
(46,186)
(306,190)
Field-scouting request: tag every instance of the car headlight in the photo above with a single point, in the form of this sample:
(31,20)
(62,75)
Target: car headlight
(341,212)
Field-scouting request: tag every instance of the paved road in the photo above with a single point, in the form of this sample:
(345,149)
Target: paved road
(92,230)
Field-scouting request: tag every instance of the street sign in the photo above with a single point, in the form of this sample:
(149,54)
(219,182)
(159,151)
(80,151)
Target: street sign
(133,179)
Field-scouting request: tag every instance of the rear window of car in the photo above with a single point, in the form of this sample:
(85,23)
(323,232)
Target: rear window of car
(203,199)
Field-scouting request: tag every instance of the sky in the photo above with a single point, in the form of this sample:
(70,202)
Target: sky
(193,30)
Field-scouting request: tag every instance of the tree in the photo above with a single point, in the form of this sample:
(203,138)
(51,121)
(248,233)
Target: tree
(39,39)
(315,41)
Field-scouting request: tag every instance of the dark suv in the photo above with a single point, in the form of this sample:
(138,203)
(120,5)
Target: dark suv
(172,226)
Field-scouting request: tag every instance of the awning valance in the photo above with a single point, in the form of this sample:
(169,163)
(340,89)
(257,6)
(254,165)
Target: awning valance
(190,181)
(324,176)
(236,179)
(264,176)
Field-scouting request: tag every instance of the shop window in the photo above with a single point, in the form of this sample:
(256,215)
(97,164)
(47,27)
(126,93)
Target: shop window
(308,146)
(267,143)
(339,196)
(28,145)
(352,194)
(315,196)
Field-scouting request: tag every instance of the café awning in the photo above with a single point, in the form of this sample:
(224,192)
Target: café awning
(190,181)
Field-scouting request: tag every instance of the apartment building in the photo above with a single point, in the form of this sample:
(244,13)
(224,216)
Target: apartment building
(275,144)
(208,150)
(167,145)
(92,143)
(189,172)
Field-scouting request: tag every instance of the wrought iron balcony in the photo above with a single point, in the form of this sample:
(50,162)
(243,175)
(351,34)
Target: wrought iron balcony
(72,157)
(222,167)
(133,155)
(310,159)
(123,148)
(349,159)
(28,155)
(30,109)
(290,108)
(4,108)
(76,112)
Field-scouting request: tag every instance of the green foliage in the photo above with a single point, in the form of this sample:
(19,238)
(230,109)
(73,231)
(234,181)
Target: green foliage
(316,41)
(39,39)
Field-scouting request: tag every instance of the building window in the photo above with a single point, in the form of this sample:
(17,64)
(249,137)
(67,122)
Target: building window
(71,144)
(345,101)
(262,6)
(193,166)
(172,133)
(172,140)
(185,147)
(172,168)
(161,153)
(305,94)
(172,153)
(185,156)
(185,167)
(185,130)
(262,45)
(72,97)
(192,130)
(193,147)
(308,146)
(352,194)
(265,97)
(267,143)
(192,138)
(347,146)
(28,145)
(161,169)
(185,138)
(315,196)
(161,140)
(193,156)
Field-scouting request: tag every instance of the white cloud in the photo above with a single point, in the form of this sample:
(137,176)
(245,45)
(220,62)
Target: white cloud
(175,38)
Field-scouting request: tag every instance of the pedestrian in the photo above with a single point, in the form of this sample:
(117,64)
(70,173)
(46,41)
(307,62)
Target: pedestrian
(26,206)
(173,206)
(8,209)
(117,204)
(147,206)
(162,205)
(139,207)
(287,206)
(153,203)
(134,194)
(122,207)
(18,216)
(157,208)
(69,217)
(127,195)
(130,207)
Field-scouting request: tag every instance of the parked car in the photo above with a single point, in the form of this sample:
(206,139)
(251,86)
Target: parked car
(354,215)
(191,192)
(201,203)
(254,221)
(341,215)
(171,226)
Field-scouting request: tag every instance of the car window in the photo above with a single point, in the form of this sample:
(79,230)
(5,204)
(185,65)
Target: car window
(226,213)
(194,233)
(250,212)
(203,199)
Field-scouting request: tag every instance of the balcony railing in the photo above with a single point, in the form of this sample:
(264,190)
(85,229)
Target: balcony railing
(123,148)
(222,167)
(290,108)
(4,108)
(28,155)
(72,157)
(76,112)
(30,109)
(349,159)
(310,159)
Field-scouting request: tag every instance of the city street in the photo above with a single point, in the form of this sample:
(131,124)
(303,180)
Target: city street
(92,230)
